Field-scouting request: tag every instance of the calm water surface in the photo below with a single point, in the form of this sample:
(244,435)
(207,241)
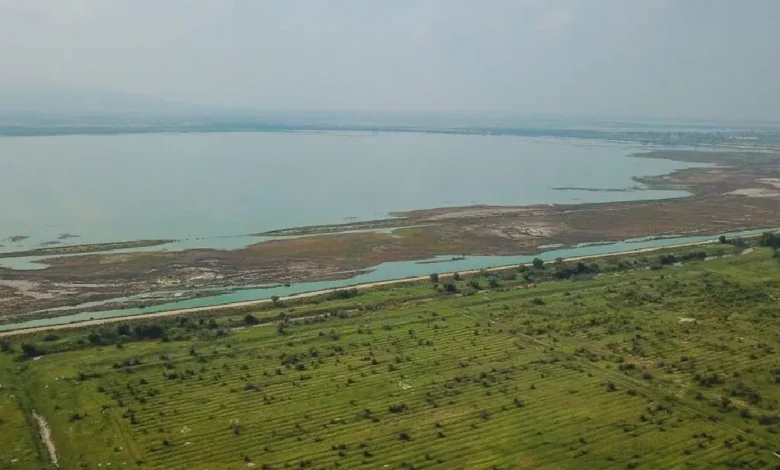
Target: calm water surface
(200,187)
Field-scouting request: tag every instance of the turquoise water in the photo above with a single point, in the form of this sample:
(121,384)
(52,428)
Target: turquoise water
(201,188)
(213,190)
(385,271)
(217,243)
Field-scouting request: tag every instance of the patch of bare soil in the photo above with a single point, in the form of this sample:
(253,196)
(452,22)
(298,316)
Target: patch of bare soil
(28,288)
(753,192)
(719,204)
(45,431)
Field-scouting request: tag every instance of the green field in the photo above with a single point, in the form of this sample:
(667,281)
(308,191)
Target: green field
(627,364)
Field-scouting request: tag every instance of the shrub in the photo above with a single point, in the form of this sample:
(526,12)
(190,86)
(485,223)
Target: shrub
(153,331)
(342,294)
(709,381)
(403,436)
(456,277)
(434,278)
(398,408)
(250,319)
(768,420)
(30,350)
(770,239)
(538,263)
(738,242)
(95,338)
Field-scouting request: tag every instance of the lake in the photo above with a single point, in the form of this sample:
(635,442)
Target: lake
(200,187)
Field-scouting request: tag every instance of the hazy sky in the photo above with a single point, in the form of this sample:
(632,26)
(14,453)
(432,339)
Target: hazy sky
(665,58)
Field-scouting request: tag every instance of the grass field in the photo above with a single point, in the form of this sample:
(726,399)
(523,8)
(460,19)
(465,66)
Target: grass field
(674,366)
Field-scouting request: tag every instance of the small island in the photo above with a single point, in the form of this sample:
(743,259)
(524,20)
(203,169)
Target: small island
(82,249)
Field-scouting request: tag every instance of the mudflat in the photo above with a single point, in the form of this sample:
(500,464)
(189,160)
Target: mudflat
(739,191)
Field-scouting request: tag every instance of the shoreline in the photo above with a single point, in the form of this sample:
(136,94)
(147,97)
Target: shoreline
(85,248)
(321,292)
(722,198)
(410,218)
(394,220)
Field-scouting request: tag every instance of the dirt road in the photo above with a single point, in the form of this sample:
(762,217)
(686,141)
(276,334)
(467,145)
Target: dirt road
(370,285)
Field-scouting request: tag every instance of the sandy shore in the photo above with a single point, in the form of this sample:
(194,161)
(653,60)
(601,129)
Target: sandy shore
(370,285)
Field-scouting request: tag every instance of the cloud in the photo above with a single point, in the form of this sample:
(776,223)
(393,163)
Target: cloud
(52,11)
(659,4)
(555,19)
(659,57)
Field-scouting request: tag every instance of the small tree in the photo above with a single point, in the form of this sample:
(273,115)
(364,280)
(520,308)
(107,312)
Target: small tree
(398,408)
(723,239)
(493,283)
(275,300)
(250,319)
(770,239)
(30,350)
(456,277)
(151,331)
(434,278)
(538,263)
(95,338)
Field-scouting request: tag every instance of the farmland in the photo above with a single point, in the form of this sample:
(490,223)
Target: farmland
(646,361)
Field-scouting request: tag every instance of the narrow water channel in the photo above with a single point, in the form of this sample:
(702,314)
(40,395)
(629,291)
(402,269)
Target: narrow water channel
(382,272)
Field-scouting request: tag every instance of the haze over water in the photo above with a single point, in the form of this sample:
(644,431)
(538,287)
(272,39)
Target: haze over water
(126,187)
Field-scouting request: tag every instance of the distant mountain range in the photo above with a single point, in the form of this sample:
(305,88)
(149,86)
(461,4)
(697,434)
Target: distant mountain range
(55,109)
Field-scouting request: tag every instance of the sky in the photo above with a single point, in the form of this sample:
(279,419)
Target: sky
(653,58)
